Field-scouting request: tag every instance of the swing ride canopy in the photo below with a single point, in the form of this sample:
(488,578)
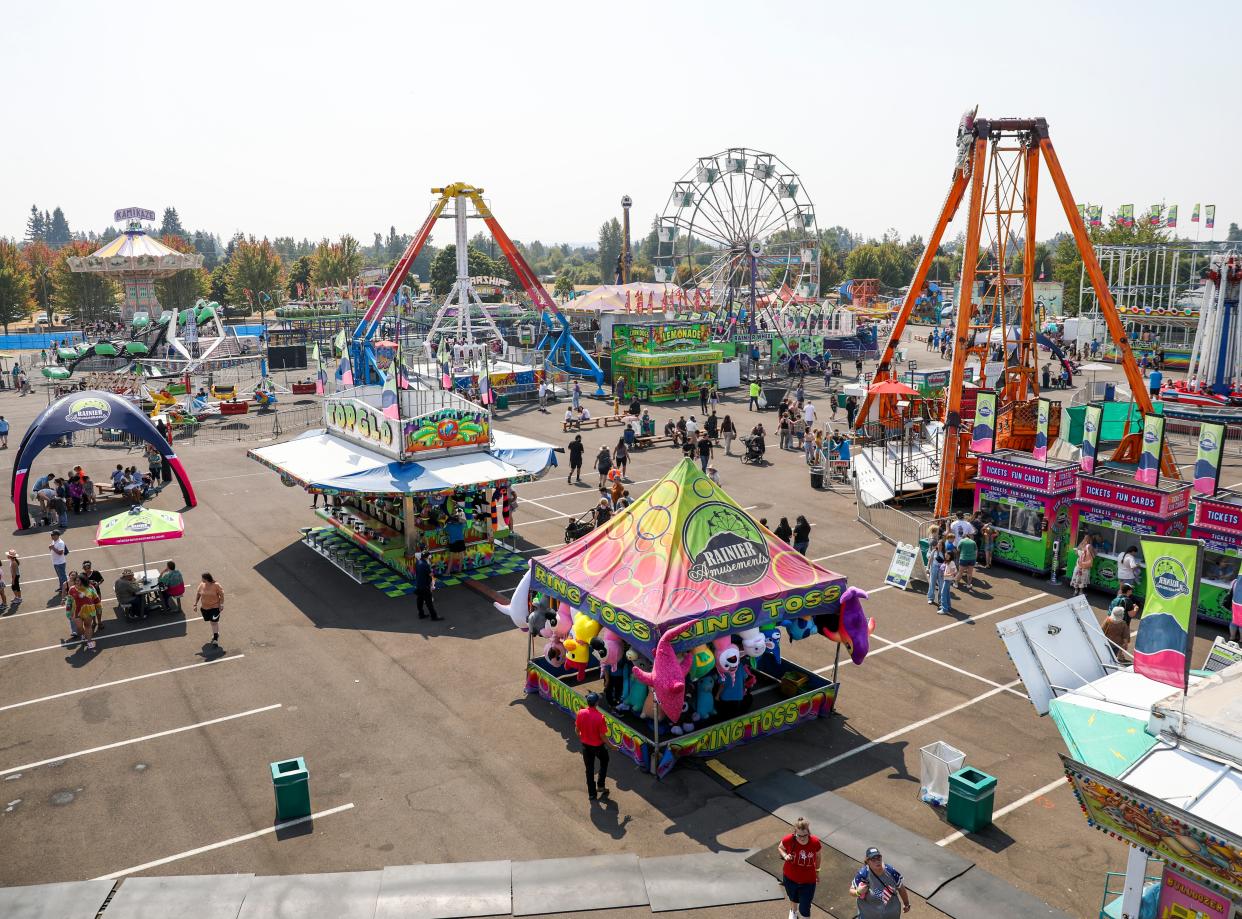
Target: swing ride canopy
(134,250)
(685,557)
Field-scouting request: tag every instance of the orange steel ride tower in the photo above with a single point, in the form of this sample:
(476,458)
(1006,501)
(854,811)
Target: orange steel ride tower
(998,162)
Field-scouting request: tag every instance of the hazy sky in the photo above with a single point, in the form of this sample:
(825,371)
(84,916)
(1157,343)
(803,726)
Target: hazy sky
(312,118)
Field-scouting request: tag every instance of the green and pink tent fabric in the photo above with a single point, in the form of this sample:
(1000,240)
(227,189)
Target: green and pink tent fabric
(685,556)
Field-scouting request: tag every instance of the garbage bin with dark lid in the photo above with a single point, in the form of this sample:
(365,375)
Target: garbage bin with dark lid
(817,476)
(502,401)
(971,795)
(291,780)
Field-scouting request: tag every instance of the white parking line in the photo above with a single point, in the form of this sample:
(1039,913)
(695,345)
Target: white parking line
(948,666)
(50,609)
(157,561)
(584,490)
(105,637)
(870,545)
(133,740)
(225,842)
(240,475)
(909,727)
(1009,808)
(129,679)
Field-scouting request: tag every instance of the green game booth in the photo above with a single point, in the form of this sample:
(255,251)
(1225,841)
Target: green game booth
(651,356)
(1028,501)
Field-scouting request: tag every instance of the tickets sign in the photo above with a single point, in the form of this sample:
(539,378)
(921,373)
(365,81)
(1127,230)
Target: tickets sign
(1032,478)
(1134,498)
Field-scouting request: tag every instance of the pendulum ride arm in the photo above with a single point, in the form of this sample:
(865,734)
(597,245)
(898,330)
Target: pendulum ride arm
(538,294)
(947,212)
(366,329)
(1023,381)
(1138,387)
(952,443)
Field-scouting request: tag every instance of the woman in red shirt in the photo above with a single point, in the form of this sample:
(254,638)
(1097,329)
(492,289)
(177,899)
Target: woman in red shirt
(800,850)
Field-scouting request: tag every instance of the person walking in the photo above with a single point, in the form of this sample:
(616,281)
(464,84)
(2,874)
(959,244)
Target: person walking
(1117,630)
(705,449)
(592,730)
(704,392)
(713,400)
(576,449)
(879,888)
(543,396)
(755,392)
(4,433)
(989,543)
(967,557)
(209,601)
(785,429)
(15,579)
(60,559)
(576,395)
(603,463)
(800,851)
(728,433)
(424,585)
(851,410)
(78,601)
(801,534)
(621,456)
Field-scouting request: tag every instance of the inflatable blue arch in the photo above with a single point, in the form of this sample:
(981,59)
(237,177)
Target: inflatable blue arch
(82,411)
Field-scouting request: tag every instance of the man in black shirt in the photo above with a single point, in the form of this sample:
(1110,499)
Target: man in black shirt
(424,583)
(95,579)
(703,394)
(576,449)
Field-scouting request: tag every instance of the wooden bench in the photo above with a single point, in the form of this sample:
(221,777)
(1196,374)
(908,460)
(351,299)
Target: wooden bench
(581,425)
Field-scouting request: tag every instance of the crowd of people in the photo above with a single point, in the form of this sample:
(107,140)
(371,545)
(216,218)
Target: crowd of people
(953,555)
(77,492)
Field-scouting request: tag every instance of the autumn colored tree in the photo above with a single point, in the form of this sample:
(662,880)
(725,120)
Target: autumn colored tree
(41,260)
(253,267)
(16,286)
(184,288)
(86,296)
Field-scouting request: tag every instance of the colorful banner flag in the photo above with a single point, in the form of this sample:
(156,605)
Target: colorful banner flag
(1093,420)
(321,375)
(1148,471)
(1040,452)
(1194,215)
(1162,648)
(1209,216)
(389,400)
(983,435)
(1171,219)
(1095,215)
(339,343)
(1082,212)
(344,373)
(1208,459)
(1153,215)
(1125,215)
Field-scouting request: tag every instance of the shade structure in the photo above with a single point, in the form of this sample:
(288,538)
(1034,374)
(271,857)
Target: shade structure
(139,525)
(892,388)
(685,557)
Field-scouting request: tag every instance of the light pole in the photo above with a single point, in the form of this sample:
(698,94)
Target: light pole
(627,257)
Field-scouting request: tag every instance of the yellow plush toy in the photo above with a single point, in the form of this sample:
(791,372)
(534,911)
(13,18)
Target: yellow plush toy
(578,645)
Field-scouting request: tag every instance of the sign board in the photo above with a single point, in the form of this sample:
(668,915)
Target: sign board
(1182,898)
(901,568)
(133,213)
(1222,654)
(658,338)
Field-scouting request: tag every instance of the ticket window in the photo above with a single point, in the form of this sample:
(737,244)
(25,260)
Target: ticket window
(1025,521)
(1219,567)
(1109,540)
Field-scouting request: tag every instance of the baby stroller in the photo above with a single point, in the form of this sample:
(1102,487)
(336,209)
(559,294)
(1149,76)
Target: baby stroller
(754,451)
(580,526)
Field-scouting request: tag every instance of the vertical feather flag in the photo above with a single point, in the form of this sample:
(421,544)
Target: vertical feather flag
(1209,216)
(321,375)
(1171,220)
(1194,215)
(388,396)
(339,343)
(344,373)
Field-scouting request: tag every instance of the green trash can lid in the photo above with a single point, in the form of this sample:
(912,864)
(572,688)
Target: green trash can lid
(972,778)
(288,769)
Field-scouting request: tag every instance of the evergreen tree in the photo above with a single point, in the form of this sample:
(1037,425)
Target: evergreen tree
(58,234)
(395,244)
(300,276)
(443,270)
(40,259)
(85,296)
(172,223)
(609,249)
(232,246)
(36,229)
(182,289)
(16,287)
(253,268)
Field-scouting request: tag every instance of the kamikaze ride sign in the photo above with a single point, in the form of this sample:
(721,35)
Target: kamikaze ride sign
(685,556)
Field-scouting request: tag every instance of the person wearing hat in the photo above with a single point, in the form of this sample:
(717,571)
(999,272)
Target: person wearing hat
(15,578)
(93,579)
(592,730)
(878,887)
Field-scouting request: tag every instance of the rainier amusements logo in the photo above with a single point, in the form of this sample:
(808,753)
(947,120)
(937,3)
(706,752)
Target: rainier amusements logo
(724,546)
(90,412)
(138,526)
(1207,443)
(984,411)
(1149,437)
(1169,578)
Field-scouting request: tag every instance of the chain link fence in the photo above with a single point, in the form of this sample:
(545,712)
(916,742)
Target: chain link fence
(248,428)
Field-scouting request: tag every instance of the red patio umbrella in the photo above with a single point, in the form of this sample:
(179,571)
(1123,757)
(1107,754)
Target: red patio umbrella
(892,388)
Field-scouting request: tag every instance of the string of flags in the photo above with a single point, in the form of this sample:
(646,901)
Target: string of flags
(1159,216)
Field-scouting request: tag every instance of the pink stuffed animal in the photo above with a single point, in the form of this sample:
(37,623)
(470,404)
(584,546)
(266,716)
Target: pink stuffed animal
(853,627)
(667,677)
(727,655)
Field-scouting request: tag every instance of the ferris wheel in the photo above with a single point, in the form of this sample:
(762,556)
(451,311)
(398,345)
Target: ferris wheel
(740,225)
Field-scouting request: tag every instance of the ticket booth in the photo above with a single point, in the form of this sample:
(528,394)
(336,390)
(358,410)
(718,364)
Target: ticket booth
(1218,522)
(1110,505)
(1028,502)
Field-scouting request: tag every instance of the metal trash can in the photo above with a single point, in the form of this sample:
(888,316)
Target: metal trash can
(502,401)
(291,781)
(900,355)
(817,477)
(971,795)
(938,761)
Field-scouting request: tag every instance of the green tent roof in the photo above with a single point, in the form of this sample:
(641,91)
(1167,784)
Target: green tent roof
(1101,734)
